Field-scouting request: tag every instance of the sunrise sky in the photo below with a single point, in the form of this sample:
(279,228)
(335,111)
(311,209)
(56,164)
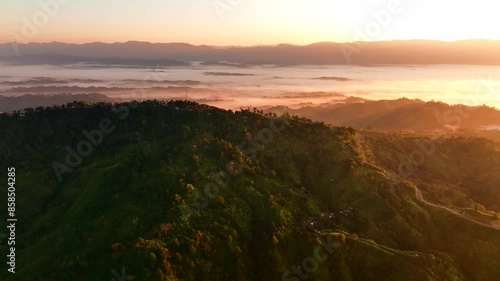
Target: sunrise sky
(245,22)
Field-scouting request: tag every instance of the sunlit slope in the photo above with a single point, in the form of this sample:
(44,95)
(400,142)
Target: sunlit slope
(401,114)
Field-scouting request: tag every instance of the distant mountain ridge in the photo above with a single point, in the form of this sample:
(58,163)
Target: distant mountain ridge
(479,52)
(401,114)
(56,59)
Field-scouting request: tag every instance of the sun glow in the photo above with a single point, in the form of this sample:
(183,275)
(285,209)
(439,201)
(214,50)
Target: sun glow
(229,22)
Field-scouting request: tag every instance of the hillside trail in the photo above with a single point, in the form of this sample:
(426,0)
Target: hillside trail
(420,197)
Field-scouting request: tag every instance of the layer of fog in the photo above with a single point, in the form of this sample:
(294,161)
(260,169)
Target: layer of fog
(230,86)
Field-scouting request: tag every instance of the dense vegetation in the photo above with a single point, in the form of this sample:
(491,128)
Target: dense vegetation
(452,170)
(181,191)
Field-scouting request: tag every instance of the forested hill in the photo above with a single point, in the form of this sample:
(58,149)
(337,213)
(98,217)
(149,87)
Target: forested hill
(9,104)
(182,191)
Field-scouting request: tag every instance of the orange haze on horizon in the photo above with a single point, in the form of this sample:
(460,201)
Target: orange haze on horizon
(247,23)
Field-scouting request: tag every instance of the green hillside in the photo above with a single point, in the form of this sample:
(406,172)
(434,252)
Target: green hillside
(182,191)
(453,170)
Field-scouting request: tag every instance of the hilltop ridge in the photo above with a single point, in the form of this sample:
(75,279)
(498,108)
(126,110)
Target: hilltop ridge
(174,190)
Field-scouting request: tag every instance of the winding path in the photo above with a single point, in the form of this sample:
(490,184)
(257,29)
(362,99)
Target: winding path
(420,197)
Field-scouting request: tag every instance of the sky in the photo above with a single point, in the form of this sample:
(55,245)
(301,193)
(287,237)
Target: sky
(246,22)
